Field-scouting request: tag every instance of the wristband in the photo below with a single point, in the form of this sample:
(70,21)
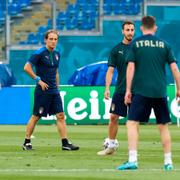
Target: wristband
(37,79)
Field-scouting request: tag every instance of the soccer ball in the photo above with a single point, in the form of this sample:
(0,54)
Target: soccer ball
(106,144)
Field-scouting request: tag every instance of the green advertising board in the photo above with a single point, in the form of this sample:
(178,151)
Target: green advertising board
(86,105)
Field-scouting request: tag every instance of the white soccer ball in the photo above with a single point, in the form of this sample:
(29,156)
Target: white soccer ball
(106,144)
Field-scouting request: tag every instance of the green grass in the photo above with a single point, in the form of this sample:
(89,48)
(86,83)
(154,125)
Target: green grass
(48,161)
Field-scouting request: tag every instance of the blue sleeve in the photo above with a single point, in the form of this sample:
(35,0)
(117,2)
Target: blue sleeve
(34,59)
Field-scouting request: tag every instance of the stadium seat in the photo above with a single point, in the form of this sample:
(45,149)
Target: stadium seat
(121,7)
(131,9)
(71,24)
(32,39)
(2,17)
(14,9)
(23,3)
(42,30)
(107,9)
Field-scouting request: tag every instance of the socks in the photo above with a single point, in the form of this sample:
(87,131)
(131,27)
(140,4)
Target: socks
(27,141)
(167,158)
(132,156)
(64,141)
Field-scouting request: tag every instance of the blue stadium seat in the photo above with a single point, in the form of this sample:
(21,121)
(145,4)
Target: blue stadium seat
(85,24)
(32,39)
(81,1)
(42,30)
(14,9)
(118,9)
(107,9)
(71,24)
(23,3)
(131,9)
(2,16)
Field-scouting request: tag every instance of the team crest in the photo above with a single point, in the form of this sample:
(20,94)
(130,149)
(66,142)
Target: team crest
(57,57)
(41,110)
(112,107)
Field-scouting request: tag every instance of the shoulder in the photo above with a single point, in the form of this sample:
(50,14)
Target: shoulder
(166,44)
(116,48)
(56,52)
(137,39)
(40,51)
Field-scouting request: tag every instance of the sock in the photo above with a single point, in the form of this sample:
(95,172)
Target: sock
(64,141)
(111,143)
(133,156)
(167,158)
(27,141)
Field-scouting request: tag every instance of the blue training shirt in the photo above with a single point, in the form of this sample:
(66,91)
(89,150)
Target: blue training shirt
(46,64)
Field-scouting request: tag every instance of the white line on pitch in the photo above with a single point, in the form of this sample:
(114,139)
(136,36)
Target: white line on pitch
(75,170)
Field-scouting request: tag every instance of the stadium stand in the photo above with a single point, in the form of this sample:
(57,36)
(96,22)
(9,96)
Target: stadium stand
(78,22)
(121,7)
(72,15)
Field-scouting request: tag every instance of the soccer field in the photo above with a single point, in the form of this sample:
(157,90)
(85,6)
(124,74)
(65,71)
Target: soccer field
(48,161)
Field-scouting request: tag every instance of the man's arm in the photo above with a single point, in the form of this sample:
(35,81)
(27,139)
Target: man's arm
(57,78)
(109,76)
(176,75)
(129,77)
(28,69)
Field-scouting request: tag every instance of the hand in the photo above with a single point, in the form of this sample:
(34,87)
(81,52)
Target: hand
(127,98)
(107,94)
(43,85)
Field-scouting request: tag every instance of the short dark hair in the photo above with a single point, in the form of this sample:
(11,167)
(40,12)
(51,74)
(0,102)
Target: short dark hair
(128,23)
(148,22)
(51,31)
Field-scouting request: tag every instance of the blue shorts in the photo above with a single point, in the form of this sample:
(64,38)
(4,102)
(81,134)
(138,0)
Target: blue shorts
(47,104)
(141,107)
(117,105)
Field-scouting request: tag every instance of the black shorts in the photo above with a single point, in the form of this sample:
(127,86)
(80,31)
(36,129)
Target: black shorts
(141,107)
(117,105)
(47,104)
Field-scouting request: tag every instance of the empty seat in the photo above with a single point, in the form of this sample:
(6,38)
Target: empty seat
(14,9)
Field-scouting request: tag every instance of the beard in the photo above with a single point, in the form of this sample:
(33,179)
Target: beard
(128,38)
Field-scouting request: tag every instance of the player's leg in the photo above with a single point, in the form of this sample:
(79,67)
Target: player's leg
(166,143)
(113,126)
(61,125)
(112,132)
(139,112)
(29,131)
(40,108)
(117,109)
(133,135)
(57,108)
(163,118)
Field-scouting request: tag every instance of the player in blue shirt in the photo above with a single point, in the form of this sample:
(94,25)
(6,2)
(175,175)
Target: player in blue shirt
(47,99)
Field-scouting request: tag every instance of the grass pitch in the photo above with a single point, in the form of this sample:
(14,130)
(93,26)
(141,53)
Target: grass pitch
(48,161)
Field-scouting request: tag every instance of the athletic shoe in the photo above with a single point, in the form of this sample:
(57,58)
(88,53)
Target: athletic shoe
(27,147)
(70,147)
(168,167)
(107,151)
(128,166)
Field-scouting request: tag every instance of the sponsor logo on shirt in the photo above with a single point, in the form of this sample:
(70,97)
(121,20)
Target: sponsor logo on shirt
(112,107)
(120,52)
(41,110)
(57,57)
